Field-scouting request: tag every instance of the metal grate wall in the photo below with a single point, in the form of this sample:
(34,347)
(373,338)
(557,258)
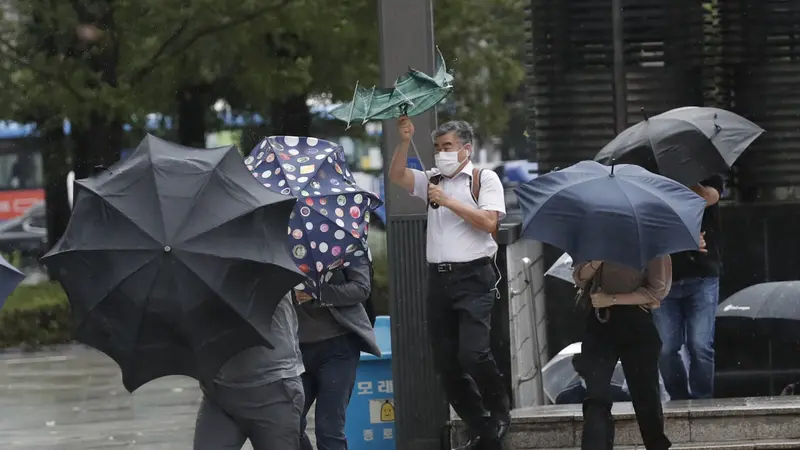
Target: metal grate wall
(761,57)
(570,89)
(570,62)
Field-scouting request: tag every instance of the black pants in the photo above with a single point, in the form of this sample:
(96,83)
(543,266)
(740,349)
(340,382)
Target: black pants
(459,316)
(631,337)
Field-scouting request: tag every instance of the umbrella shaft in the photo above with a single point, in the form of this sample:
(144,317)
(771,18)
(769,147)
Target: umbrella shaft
(419,158)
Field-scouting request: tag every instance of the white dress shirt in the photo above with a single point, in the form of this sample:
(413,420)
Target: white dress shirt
(451,238)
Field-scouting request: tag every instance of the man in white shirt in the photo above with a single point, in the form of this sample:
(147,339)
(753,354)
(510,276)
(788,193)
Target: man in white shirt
(465,207)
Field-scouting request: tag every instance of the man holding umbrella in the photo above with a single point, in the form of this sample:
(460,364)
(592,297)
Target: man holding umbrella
(688,144)
(688,314)
(466,205)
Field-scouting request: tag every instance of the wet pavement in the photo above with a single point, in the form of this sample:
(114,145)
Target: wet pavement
(72,398)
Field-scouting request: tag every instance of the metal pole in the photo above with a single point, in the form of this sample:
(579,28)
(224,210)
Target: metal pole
(619,84)
(422,414)
(537,355)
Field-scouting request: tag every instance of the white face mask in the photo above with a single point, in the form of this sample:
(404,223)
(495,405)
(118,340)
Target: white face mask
(447,162)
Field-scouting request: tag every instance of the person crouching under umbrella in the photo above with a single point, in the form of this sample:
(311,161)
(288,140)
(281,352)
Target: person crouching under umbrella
(257,395)
(620,326)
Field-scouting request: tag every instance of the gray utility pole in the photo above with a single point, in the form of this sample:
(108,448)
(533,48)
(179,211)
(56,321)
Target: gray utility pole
(406,39)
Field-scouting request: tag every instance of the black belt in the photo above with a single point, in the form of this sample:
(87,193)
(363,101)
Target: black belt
(452,267)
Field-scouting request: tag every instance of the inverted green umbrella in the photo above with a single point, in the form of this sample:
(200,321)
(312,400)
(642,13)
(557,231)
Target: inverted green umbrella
(413,93)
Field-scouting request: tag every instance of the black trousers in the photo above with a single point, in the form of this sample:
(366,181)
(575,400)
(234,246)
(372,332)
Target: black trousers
(630,336)
(459,323)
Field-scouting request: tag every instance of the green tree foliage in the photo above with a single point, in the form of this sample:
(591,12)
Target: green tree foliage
(107,62)
(483,42)
(109,57)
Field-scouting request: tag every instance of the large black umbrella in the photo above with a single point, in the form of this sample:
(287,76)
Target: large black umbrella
(773,306)
(687,144)
(174,260)
(773,311)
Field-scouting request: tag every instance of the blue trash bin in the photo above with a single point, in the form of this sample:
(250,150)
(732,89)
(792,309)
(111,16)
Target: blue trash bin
(370,415)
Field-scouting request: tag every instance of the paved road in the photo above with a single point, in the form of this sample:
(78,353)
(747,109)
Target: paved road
(73,399)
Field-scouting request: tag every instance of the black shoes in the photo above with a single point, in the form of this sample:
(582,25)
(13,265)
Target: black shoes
(497,429)
(474,443)
(503,425)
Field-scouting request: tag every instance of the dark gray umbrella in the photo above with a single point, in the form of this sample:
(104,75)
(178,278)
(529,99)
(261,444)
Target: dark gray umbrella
(688,144)
(174,260)
(772,310)
(774,306)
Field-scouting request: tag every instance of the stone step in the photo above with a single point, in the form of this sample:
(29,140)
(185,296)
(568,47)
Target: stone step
(771,444)
(694,424)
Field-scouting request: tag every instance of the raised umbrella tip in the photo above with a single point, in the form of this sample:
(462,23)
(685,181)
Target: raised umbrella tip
(644,113)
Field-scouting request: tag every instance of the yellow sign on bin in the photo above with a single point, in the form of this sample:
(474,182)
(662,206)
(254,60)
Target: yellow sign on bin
(381,411)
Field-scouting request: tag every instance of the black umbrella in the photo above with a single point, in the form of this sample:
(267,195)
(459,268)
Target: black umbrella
(687,144)
(174,260)
(773,310)
(774,307)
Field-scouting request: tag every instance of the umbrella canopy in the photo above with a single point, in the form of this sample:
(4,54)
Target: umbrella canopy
(328,227)
(688,144)
(413,93)
(559,375)
(622,214)
(10,278)
(174,260)
(774,306)
(562,269)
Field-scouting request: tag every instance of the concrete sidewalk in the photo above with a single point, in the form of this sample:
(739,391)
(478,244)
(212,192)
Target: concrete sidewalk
(72,398)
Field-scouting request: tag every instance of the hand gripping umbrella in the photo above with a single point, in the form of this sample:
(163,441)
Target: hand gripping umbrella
(688,144)
(328,227)
(174,260)
(413,93)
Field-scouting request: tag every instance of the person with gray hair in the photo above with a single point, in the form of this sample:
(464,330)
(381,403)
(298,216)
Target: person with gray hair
(466,205)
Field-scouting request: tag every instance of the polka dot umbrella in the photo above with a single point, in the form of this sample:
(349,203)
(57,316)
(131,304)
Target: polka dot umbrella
(329,225)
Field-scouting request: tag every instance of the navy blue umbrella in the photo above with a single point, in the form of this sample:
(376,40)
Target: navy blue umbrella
(10,277)
(328,228)
(622,213)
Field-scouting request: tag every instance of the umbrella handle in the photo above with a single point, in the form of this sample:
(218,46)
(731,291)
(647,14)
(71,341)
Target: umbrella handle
(602,316)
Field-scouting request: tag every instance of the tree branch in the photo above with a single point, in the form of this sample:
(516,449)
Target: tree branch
(151,63)
(172,40)
(15,56)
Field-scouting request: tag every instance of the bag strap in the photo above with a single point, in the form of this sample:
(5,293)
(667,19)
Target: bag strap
(475,188)
(475,184)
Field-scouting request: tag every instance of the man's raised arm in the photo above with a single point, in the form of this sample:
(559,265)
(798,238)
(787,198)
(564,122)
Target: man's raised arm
(398,172)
